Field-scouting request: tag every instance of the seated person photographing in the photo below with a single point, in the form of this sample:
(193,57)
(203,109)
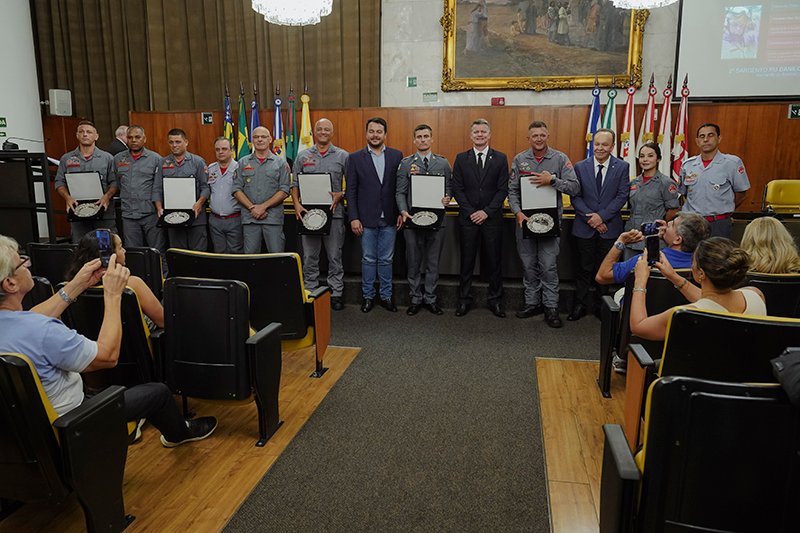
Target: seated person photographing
(89,249)
(681,235)
(59,353)
(718,266)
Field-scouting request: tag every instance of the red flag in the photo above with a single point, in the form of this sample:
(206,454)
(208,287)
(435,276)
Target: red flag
(627,149)
(665,131)
(647,131)
(680,147)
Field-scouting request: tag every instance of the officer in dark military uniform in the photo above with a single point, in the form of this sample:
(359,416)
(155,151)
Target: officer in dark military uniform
(423,246)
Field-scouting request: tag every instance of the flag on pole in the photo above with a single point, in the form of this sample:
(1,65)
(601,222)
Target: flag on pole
(627,150)
(609,120)
(306,140)
(680,148)
(665,131)
(647,130)
(227,127)
(278,142)
(594,119)
(255,121)
(242,144)
(291,132)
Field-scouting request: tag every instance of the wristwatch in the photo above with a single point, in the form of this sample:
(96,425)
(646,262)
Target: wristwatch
(619,245)
(64,296)
(553,181)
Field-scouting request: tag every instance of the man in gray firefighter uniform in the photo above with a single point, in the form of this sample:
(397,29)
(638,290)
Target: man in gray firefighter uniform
(183,164)
(423,246)
(261,184)
(324,158)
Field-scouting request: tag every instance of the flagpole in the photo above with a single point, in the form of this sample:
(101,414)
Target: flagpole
(627,147)
(594,118)
(665,131)
(680,148)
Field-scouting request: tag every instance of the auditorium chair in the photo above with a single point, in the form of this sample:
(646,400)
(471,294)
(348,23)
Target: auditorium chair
(708,345)
(50,260)
(717,456)
(42,290)
(146,263)
(45,457)
(781,292)
(137,362)
(276,294)
(209,352)
(615,329)
(781,196)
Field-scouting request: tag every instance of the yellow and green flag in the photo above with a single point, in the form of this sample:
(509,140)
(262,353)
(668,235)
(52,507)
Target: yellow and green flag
(242,144)
(227,128)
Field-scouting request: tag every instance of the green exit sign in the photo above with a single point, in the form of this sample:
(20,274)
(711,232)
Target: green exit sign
(794,111)
(206,118)
(3,122)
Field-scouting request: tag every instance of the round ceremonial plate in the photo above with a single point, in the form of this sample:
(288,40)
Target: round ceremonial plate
(176,217)
(540,223)
(424,218)
(86,210)
(315,219)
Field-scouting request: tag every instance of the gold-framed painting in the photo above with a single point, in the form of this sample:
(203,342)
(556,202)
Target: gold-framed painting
(540,44)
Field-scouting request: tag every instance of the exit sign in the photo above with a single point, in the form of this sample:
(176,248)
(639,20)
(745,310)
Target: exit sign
(794,111)
(207,118)
(3,122)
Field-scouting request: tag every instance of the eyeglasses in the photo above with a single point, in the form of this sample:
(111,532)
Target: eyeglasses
(25,262)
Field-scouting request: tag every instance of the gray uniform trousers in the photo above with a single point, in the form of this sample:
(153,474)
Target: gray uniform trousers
(312,246)
(79,229)
(273,236)
(423,249)
(539,269)
(190,238)
(145,232)
(226,235)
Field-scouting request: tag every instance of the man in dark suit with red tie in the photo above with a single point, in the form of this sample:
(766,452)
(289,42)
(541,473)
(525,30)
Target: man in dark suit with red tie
(371,175)
(604,183)
(480,185)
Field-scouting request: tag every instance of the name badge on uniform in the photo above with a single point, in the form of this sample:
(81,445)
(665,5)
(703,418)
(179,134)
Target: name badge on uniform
(690,179)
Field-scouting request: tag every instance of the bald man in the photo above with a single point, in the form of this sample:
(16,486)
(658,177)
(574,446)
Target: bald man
(261,184)
(323,158)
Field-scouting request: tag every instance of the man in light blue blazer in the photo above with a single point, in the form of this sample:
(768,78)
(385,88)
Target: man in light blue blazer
(604,183)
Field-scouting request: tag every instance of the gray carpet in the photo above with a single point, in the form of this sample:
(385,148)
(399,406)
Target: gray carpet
(434,427)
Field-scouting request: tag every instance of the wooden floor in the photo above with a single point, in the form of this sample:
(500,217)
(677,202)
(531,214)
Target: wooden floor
(192,488)
(573,412)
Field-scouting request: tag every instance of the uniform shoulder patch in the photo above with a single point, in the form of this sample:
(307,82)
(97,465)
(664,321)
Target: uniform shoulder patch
(672,188)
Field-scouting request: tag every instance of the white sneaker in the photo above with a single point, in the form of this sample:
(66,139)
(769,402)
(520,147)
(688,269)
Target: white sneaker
(619,365)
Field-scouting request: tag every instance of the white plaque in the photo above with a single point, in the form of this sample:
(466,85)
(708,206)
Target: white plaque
(534,197)
(84,185)
(179,193)
(427,191)
(315,189)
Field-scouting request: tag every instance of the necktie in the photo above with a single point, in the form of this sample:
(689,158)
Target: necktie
(480,160)
(599,178)
(425,163)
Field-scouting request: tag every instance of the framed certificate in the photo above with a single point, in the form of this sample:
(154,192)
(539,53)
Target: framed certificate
(540,205)
(315,195)
(87,189)
(426,209)
(180,195)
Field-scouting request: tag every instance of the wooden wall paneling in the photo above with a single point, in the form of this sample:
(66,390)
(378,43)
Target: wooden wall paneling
(452,135)
(787,150)
(759,162)
(59,138)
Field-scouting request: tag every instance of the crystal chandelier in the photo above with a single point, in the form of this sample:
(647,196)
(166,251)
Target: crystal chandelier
(293,12)
(641,4)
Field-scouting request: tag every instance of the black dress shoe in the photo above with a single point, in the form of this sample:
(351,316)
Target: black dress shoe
(434,308)
(413,309)
(529,311)
(551,318)
(462,309)
(578,312)
(497,310)
(389,305)
(367,304)
(336,303)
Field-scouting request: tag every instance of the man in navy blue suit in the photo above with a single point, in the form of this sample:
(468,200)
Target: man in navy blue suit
(371,175)
(480,185)
(604,190)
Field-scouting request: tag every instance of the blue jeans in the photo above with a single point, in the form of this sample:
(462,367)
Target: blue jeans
(377,254)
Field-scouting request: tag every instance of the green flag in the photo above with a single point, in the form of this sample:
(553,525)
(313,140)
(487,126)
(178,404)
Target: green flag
(242,144)
(291,134)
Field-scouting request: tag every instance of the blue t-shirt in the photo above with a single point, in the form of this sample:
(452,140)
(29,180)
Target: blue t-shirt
(676,258)
(57,352)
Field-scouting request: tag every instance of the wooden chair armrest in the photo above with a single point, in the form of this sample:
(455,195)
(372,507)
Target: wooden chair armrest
(609,334)
(608,301)
(316,293)
(619,480)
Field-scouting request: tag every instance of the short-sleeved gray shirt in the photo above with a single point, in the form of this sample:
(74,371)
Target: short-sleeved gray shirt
(555,162)
(136,178)
(710,190)
(100,162)
(260,181)
(332,162)
(192,166)
(438,165)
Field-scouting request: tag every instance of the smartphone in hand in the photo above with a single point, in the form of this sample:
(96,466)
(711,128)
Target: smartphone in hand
(104,245)
(653,245)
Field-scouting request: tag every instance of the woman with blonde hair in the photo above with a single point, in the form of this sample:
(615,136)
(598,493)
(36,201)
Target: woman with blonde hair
(771,248)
